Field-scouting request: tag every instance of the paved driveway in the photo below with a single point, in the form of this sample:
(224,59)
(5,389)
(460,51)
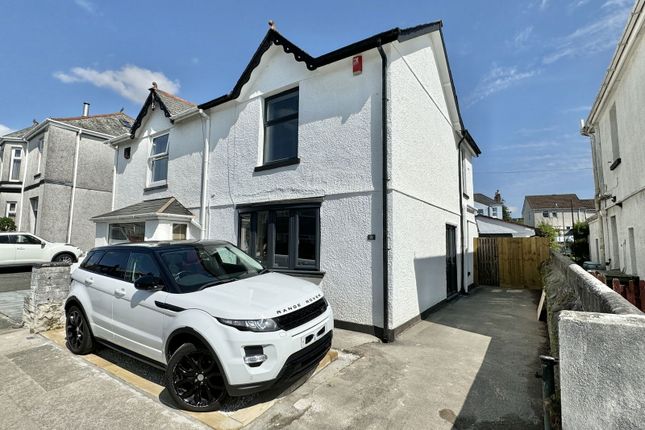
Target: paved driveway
(14,286)
(471,365)
(15,278)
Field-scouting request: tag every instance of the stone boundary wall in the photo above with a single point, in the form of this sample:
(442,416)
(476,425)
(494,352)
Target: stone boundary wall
(601,370)
(593,295)
(43,307)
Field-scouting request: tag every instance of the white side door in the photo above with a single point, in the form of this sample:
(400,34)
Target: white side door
(7,249)
(29,249)
(138,320)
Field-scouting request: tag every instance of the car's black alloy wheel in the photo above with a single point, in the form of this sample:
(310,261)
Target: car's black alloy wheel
(77,332)
(194,380)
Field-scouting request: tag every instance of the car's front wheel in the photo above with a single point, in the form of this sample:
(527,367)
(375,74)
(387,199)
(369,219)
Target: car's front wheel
(194,380)
(77,332)
(65,257)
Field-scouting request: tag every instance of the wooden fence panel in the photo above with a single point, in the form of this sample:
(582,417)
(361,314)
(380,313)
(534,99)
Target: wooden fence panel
(511,262)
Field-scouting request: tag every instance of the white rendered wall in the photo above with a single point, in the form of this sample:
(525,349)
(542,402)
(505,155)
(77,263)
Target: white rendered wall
(425,180)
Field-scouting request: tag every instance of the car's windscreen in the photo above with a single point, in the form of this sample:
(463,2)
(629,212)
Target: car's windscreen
(201,266)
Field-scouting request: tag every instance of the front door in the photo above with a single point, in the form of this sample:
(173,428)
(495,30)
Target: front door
(451,260)
(138,321)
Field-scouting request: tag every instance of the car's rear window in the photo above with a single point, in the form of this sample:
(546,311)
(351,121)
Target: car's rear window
(8,238)
(90,263)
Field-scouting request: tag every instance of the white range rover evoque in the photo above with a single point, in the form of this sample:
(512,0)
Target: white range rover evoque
(215,319)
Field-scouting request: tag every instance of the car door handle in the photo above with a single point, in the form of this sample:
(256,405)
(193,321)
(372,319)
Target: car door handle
(89,281)
(120,292)
(20,249)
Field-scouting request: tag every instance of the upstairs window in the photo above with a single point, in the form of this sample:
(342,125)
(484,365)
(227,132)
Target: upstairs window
(613,124)
(545,214)
(158,161)
(16,162)
(39,154)
(281,127)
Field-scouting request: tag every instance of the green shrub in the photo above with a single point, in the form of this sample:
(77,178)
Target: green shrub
(7,224)
(550,232)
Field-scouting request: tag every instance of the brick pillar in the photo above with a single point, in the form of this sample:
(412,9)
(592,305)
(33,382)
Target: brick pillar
(43,309)
(642,295)
(631,293)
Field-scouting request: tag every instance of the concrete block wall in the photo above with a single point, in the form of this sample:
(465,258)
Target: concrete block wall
(43,308)
(601,370)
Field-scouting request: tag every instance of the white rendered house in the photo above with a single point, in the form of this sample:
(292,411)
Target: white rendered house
(615,127)
(313,162)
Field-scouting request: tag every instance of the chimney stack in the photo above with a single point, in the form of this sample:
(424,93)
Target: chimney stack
(86,109)
(498,197)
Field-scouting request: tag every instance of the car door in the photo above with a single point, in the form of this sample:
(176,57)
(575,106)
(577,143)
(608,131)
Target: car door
(138,321)
(29,249)
(99,292)
(7,249)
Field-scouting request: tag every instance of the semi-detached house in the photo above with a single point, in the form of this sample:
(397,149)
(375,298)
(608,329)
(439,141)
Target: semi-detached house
(351,169)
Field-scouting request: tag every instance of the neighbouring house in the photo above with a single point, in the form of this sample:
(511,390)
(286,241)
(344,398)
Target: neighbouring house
(490,207)
(495,227)
(68,176)
(12,162)
(561,211)
(352,169)
(616,128)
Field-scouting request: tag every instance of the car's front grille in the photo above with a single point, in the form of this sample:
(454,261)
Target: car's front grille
(305,360)
(302,316)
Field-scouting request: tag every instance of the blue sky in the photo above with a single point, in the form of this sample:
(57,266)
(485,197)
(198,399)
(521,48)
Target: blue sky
(525,71)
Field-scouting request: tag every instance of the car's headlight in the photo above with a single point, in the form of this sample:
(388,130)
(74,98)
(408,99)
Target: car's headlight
(262,325)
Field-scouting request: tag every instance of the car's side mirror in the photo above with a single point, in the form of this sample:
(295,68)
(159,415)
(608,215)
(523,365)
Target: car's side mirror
(148,283)
(42,244)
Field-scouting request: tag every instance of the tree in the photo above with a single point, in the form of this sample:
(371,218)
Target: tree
(506,213)
(580,245)
(7,224)
(550,232)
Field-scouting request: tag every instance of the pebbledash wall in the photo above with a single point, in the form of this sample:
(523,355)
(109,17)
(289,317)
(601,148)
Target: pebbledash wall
(339,146)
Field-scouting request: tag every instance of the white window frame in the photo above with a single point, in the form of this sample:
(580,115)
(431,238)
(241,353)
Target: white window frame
(12,159)
(8,212)
(39,149)
(152,158)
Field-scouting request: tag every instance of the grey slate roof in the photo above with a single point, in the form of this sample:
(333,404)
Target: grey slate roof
(165,205)
(552,201)
(113,124)
(485,200)
(173,103)
(19,134)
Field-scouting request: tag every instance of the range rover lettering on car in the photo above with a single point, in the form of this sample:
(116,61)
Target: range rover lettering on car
(213,317)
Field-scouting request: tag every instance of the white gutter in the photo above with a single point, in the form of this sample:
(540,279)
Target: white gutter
(114,166)
(63,125)
(145,217)
(185,114)
(22,188)
(626,42)
(117,139)
(205,157)
(74,176)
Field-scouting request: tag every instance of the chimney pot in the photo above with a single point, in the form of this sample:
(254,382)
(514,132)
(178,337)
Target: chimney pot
(86,109)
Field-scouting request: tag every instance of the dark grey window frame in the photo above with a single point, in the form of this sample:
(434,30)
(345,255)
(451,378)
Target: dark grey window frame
(283,161)
(293,234)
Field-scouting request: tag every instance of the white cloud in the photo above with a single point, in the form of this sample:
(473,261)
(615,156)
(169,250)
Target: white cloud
(521,38)
(86,5)
(592,38)
(131,82)
(582,108)
(5,130)
(498,79)
(543,4)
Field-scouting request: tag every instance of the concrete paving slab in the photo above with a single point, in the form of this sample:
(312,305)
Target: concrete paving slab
(12,304)
(470,365)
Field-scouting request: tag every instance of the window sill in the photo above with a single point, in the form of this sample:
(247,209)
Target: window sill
(37,175)
(275,164)
(466,196)
(155,188)
(301,273)
(615,164)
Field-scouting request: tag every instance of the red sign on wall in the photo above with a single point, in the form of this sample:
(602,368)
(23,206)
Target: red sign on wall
(357,65)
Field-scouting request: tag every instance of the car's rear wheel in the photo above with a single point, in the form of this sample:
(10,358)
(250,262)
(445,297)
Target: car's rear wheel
(65,257)
(194,379)
(77,332)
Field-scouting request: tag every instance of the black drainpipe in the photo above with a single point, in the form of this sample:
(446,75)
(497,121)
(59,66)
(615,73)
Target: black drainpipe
(388,335)
(461,209)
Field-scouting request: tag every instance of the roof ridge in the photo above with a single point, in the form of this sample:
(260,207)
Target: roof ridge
(100,115)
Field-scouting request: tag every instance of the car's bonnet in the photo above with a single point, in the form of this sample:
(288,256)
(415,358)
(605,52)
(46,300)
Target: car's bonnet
(262,296)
